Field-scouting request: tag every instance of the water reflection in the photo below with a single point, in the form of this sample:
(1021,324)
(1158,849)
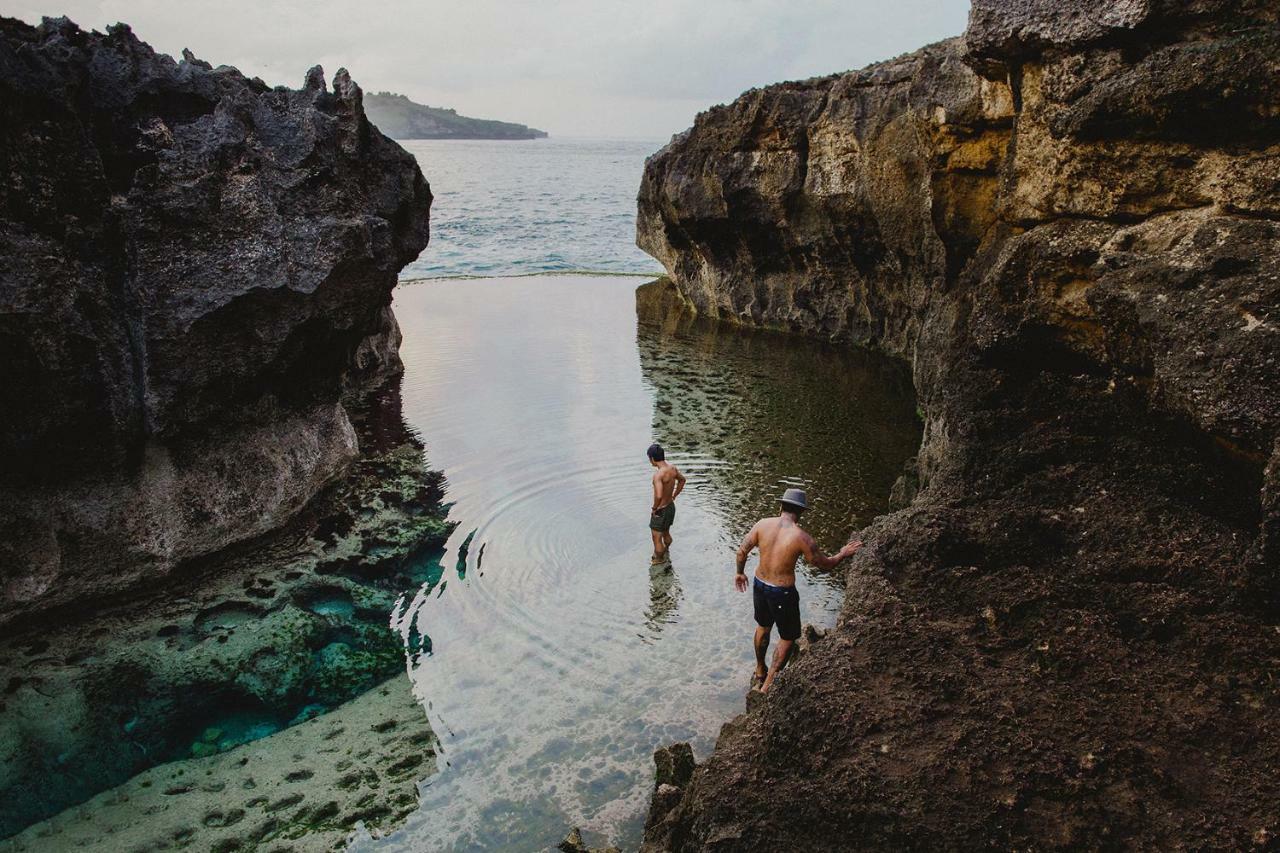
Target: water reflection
(664,600)
(555,665)
(760,412)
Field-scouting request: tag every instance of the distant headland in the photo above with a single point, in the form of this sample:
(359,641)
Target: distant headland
(400,118)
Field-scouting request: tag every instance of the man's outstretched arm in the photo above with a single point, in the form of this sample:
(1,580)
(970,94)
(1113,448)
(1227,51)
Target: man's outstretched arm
(749,543)
(815,557)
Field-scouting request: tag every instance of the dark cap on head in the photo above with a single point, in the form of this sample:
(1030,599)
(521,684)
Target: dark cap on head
(795,500)
(656,453)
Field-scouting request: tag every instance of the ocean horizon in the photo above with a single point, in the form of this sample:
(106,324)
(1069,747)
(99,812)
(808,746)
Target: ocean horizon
(527,207)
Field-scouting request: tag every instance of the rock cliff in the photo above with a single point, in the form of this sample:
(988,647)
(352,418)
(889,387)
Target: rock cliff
(194,269)
(1067,224)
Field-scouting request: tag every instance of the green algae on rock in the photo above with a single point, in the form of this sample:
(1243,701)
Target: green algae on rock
(258,639)
(307,788)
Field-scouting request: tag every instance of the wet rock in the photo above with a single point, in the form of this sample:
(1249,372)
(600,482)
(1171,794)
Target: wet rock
(674,769)
(665,798)
(1067,225)
(573,843)
(809,636)
(196,268)
(674,764)
(662,805)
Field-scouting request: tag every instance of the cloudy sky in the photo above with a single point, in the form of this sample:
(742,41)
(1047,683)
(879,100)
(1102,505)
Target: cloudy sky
(619,68)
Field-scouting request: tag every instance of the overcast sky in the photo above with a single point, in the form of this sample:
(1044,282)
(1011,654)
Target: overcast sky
(627,68)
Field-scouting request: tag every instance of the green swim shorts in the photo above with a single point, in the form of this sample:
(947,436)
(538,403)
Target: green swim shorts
(662,519)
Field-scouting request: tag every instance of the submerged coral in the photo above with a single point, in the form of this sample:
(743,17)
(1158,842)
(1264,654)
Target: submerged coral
(263,637)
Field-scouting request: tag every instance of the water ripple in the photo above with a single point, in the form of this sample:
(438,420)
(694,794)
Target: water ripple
(552,656)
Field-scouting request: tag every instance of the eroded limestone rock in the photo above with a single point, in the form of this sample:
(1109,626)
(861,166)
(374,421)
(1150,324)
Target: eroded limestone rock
(674,769)
(573,843)
(1066,224)
(194,268)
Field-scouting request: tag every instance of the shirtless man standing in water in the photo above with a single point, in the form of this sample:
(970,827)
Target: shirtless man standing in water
(668,483)
(781,542)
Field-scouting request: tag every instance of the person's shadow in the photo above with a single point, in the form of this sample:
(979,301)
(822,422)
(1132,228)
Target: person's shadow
(664,599)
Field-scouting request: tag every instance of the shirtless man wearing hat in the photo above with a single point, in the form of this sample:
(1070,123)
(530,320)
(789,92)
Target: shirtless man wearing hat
(781,542)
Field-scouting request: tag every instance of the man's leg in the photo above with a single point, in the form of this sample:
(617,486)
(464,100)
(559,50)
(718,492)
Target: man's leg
(779,661)
(666,539)
(788,621)
(657,545)
(762,649)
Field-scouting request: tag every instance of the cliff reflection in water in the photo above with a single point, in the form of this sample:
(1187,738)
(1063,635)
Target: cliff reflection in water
(757,412)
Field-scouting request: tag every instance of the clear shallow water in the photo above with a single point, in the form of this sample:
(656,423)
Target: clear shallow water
(533,206)
(552,658)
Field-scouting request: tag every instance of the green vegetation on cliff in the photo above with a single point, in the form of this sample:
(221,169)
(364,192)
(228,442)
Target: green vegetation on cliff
(400,118)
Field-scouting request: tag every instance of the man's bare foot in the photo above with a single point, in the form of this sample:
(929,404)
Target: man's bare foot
(657,561)
(757,678)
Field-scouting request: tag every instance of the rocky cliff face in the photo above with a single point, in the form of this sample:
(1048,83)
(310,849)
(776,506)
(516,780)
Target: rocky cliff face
(1067,223)
(194,268)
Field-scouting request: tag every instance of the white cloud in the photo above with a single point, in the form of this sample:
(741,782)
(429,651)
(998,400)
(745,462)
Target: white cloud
(574,67)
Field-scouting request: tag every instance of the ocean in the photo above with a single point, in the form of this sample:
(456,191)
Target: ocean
(505,208)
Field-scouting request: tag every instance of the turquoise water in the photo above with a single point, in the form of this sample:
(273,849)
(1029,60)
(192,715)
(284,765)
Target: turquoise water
(535,206)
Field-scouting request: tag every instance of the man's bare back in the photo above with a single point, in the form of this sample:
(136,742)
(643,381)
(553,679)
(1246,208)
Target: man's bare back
(664,484)
(781,542)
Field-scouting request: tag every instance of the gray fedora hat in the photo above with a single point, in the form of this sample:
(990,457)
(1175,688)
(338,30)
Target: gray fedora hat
(795,497)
